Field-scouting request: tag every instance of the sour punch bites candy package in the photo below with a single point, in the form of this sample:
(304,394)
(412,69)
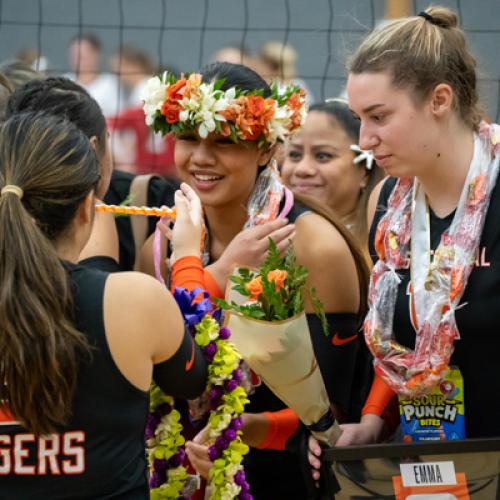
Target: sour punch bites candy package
(438,416)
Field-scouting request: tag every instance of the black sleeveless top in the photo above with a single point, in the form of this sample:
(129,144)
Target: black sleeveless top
(478,321)
(101,452)
(276,474)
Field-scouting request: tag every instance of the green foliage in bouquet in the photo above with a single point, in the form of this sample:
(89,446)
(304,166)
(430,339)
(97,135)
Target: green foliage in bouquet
(275,291)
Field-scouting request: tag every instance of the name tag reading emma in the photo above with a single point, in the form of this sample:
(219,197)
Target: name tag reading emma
(428,474)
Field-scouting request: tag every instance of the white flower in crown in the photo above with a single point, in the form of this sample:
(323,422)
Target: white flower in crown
(279,125)
(211,103)
(153,96)
(183,104)
(363,154)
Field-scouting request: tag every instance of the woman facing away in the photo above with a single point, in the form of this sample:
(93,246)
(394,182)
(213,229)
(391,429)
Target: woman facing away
(63,97)
(78,346)
(323,160)
(224,170)
(434,235)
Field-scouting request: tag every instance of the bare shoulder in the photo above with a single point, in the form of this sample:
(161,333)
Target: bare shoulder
(141,307)
(139,289)
(318,240)
(322,249)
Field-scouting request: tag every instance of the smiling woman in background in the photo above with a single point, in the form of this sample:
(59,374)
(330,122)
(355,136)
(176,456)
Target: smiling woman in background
(323,161)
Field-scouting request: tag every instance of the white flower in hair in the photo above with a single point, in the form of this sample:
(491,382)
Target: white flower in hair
(363,154)
(279,124)
(153,96)
(210,104)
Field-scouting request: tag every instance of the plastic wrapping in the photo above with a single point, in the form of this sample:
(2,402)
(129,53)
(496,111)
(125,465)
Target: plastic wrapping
(437,284)
(264,202)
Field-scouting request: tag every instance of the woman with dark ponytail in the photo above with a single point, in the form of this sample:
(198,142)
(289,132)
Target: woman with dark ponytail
(65,98)
(78,346)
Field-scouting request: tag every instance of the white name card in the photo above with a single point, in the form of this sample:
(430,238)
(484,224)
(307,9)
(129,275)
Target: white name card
(428,474)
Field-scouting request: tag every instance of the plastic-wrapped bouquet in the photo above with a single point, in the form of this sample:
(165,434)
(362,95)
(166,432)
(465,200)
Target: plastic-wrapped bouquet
(265,312)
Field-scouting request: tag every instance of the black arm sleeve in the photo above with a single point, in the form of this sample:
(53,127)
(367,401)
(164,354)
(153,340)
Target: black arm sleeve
(184,375)
(343,361)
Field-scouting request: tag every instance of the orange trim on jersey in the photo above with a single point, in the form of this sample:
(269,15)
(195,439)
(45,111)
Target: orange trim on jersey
(189,364)
(281,427)
(379,398)
(413,313)
(6,417)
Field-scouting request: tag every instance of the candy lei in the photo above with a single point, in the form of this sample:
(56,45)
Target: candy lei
(227,399)
(413,373)
(131,210)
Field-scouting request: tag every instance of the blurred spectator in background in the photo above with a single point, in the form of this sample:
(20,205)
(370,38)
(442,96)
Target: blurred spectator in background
(85,61)
(238,53)
(133,66)
(135,148)
(34,59)
(18,72)
(6,89)
(278,63)
(13,74)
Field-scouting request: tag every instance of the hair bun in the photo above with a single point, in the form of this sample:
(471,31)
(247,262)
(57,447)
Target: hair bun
(443,17)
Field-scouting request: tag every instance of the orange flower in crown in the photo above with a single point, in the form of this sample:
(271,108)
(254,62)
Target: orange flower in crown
(188,104)
(174,92)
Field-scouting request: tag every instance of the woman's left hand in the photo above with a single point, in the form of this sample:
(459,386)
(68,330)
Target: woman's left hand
(197,452)
(187,230)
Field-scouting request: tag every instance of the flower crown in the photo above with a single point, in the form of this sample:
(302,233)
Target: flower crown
(188,104)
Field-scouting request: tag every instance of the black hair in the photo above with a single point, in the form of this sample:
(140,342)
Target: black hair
(339,110)
(61,97)
(235,75)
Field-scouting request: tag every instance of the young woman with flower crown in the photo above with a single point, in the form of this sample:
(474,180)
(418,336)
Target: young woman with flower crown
(435,286)
(226,121)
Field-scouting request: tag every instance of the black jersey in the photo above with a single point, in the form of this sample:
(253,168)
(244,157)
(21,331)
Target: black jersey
(477,317)
(277,474)
(160,192)
(100,454)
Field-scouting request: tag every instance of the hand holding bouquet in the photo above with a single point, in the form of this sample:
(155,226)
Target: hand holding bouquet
(265,312)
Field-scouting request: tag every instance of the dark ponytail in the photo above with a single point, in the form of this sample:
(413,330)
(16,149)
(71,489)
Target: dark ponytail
(55,166)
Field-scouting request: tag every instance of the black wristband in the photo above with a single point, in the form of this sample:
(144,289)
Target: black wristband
(184,375)
(324,423)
